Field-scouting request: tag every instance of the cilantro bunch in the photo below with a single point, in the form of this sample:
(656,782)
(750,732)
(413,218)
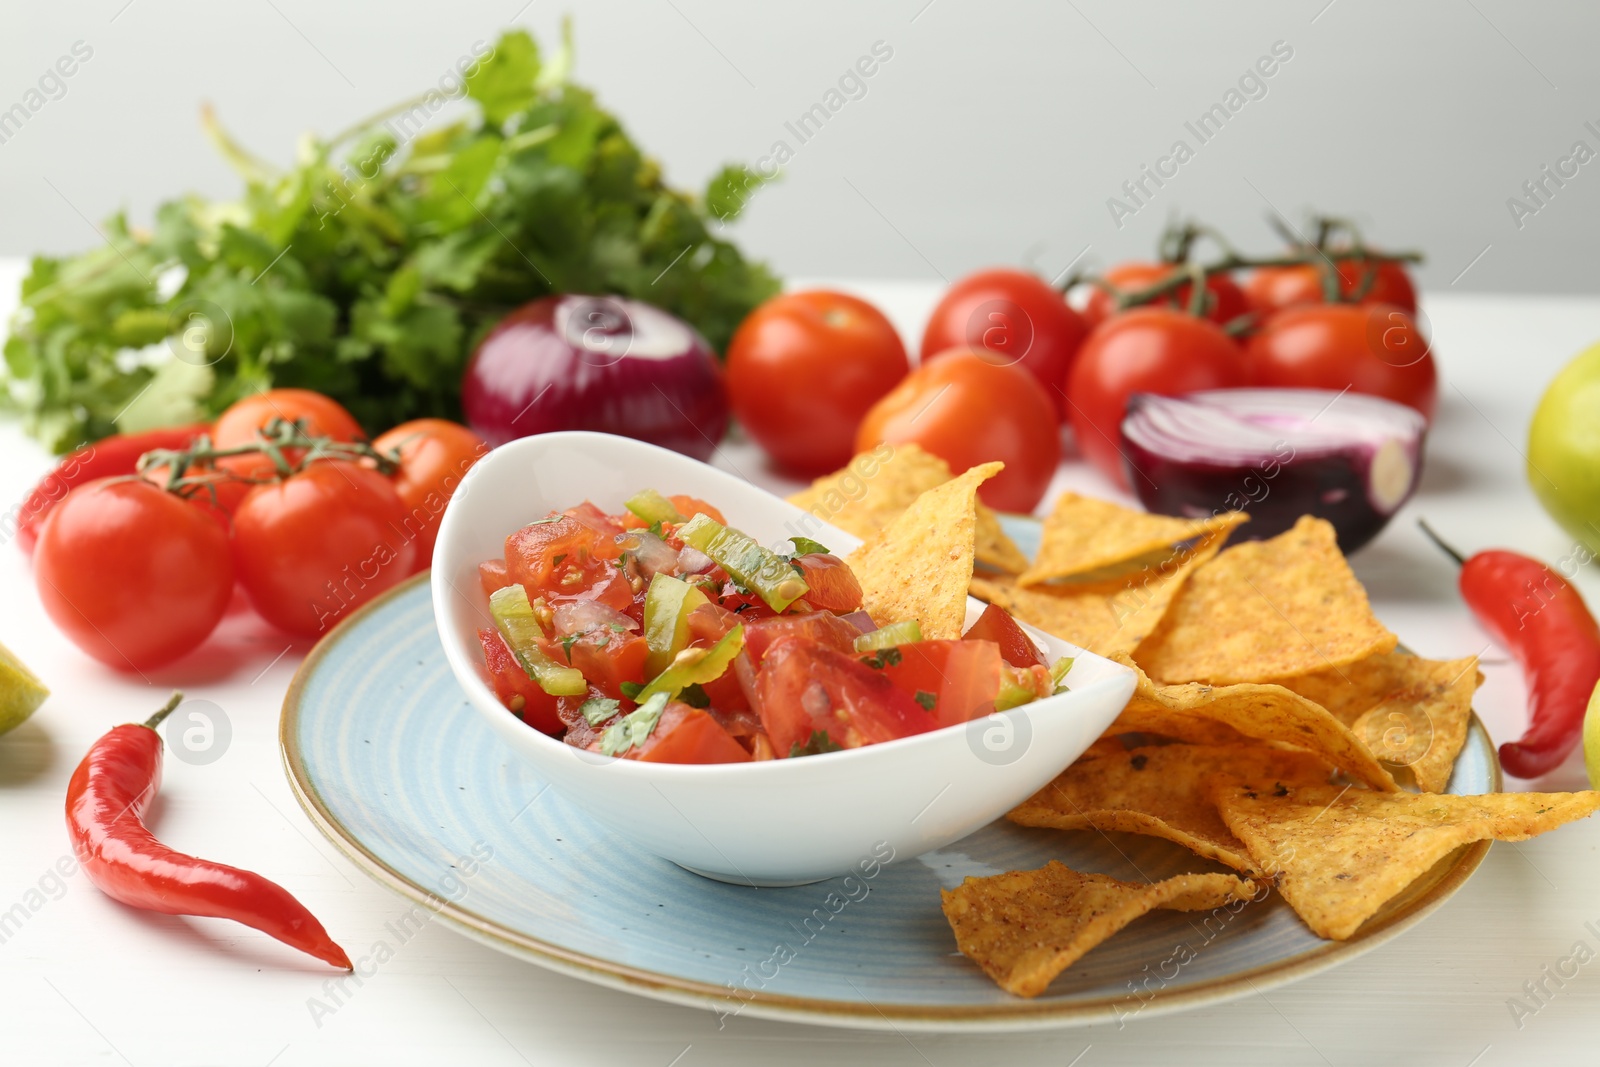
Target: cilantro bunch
(370,269)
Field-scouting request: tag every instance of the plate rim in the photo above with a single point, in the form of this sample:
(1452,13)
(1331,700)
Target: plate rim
(1020,1015)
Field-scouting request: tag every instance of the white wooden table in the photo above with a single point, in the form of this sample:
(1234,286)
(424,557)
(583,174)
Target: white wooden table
(83,980)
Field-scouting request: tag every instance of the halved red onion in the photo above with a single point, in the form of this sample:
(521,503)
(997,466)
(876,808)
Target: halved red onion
(1277,454)
(596,363)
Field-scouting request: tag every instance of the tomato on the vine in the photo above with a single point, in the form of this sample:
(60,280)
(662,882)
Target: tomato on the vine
(132,574)
(1015,314)
(968,410)
(1375,349)
(321,416)
(1271,289)
(804,368)
(1143,350)
(1225,300)
(434,455)
(312,548)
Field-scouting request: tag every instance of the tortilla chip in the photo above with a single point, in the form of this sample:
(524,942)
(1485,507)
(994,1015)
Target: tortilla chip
(1265,610)
(1160,791)
(877,486)
(919,566)
(1204,714)
(1025,927)
(1108,617)
(1340,854)
(1409,711)
(1083,535)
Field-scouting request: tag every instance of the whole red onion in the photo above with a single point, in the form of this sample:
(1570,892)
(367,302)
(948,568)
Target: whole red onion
(601,363)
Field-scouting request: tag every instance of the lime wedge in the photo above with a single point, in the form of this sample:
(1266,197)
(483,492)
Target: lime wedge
(21,692)
(1591,736)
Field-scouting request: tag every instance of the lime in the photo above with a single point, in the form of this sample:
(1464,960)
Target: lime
(1564,448)
(21,692)
(1591,736)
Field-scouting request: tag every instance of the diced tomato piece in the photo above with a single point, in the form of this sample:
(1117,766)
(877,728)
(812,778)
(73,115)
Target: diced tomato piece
(804,687)
(688,507)
(709,624)
(492,575)
(601,580)
(1016,647)
(960,679)
(515,689)
(819,626)
(833,584)
(541,554)
(607,659)
(606,529)
(746,605)
(688,735)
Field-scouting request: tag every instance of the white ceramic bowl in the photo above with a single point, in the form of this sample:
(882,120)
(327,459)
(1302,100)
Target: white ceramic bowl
(780,822)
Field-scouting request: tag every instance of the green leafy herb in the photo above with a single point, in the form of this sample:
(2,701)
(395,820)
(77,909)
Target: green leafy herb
(598,709)
(884,657)
(926,699)
(694,695)
(631,690)
(369,268)
(804,546)
(566,644)
(633,728)
(556,562)
(818,743)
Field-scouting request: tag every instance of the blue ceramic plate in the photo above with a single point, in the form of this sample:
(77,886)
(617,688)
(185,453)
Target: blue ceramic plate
(405,778)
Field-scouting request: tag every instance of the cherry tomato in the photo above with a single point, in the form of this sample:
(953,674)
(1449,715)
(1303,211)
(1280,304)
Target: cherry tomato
(1272,289)
(997,625)
(967,410)
(321,416)
(1015,314)
(134,575)
(1226,300)
(434,455)
(804,368)
(515,689)
(804,687)
(313,548)
(1375,349)
(117,454)
(1143,350)
(952,680)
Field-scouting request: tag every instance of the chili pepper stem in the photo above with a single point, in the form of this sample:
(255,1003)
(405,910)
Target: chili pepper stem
(166,709)
(1443,545)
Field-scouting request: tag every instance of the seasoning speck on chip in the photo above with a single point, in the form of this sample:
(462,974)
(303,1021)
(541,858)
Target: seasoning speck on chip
(1025,927)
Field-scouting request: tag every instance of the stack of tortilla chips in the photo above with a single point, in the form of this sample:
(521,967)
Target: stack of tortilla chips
(1276,728)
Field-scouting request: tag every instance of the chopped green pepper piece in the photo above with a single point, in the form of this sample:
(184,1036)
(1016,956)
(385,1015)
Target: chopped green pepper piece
(653,508)
(513,617)
(804,546)
(666,619)
(634,727)
(1058,673)
(695,666)
(764,573)
(1012,693)
(891,636)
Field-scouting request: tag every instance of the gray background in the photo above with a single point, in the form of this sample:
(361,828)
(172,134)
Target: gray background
(996,132)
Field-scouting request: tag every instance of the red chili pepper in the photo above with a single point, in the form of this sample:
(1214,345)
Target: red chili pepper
(1543,621)
(106,800)
(105,458)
